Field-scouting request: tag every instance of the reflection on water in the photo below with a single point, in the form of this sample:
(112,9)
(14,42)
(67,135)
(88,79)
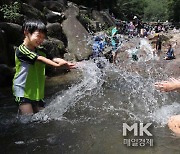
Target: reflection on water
(88,117)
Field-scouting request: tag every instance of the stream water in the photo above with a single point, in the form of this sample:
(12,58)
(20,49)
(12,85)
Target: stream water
(88,117)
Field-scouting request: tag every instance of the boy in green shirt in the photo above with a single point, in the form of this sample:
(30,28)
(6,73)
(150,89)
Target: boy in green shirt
(29,79)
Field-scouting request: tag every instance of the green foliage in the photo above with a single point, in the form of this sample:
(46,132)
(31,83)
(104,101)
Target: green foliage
(11,12)
(126,9)
(148,10)
(86,19)
(156,10)
(173,10)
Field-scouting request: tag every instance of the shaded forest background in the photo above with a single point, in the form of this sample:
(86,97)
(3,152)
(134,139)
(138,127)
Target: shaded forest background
(148,10)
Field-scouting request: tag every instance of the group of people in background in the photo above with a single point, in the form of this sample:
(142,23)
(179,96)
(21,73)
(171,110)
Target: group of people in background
(134,28)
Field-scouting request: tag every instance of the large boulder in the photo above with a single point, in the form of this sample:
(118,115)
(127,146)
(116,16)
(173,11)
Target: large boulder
(35,3)
(3,49)
(54,47)
(76,34)
(13,33)
(52,16)
(61,82)
(96,15)
(54,6)
(55,30)
(31,12)
(11,54)
(6,75)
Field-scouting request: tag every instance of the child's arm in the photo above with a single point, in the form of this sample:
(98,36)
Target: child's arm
(63,62)
(56,62)
(166,86)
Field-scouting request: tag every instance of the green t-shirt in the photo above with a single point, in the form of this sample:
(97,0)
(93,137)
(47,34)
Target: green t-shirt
(29,78)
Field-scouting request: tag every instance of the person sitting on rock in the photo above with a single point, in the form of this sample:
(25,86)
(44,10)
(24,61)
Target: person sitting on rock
(170,53)
(30,60)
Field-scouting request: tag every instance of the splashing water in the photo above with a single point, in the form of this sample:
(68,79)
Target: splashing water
(143,46)
(90,84)
(113,91)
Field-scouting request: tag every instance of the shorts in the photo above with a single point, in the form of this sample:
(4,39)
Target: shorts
(21,100)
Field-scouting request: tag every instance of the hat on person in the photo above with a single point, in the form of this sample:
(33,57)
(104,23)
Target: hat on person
(134,17)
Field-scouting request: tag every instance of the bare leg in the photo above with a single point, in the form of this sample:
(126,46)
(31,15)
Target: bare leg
(26,108)
(37,109)
(114,57)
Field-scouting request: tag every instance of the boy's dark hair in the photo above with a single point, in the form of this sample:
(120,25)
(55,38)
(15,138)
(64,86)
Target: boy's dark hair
(33,25)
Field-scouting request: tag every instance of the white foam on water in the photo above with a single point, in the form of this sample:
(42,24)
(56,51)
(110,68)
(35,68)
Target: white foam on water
(90,84)
(162,114)
(134,95)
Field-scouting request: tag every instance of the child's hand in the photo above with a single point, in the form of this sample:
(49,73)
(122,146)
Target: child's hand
(71,65)
(166,86)
(60,61)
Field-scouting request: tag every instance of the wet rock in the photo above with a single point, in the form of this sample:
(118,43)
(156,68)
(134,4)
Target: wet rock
(72,11)
(55,31)
(11,54)
(76,35)
(3,49)
(64,2)
(31,12)
(107,18)
(69,56)
(54,6)
(6,75)
(12,32)
(52,17)
(35,3)
(98,17)
(54,48)
(63,81)
(173,67)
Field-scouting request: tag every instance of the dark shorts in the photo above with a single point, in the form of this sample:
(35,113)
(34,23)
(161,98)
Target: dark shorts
(21,100)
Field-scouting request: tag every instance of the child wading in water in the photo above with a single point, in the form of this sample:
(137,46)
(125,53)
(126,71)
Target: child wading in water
(29,79)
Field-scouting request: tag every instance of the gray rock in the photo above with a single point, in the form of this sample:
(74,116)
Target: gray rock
(54,6)
(62,81)
(98,17)
(35,3)
(69,56)
(52,17)
(3,49)
(31,12)
(76,35)
(13,33)
(54,30)
(6,75)
(172,68)
(54,47)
